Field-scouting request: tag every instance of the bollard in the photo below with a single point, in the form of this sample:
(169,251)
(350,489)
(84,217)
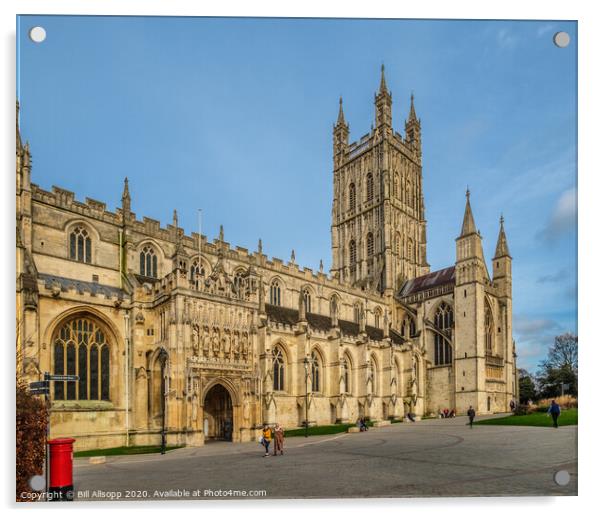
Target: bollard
(60,486)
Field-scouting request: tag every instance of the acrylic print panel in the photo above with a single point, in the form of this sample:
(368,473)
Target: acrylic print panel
(298,257)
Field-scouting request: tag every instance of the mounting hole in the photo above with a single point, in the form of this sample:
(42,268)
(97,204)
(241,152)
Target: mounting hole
(562,478)
(37,34)
(37,483)
(562,39)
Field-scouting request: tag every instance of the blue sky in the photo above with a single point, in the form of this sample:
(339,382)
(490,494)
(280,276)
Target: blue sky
(235,116)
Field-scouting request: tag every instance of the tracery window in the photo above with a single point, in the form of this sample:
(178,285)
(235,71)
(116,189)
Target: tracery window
(488,329)
(408,327)
(148,262)
(278,365)
(352,258)
(275,292)
(345,375)
(197,273)
(357,312)
(315,371)
(352,196)
(444,321)
(80,245)
(411,250)
(81,348)
(369,187)
(377,317)
(307,299)
(239,284)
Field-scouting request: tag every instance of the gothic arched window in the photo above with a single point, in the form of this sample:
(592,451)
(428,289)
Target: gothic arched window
(352,258)
(352,196)
(81,348)
(370,245)
(411,250)
(334,307)
(408,327)
(278,364)
(239,284)
(377,317)
(444,321)
(357,312)
(369,187)
(373,376)
(398,244)
(346,375)
(80,245)
(148,262)
(315,371)
(307,299)
(488,329)
(275,292)
(197,273)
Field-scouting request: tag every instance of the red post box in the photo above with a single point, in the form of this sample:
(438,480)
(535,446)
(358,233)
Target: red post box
(60,485)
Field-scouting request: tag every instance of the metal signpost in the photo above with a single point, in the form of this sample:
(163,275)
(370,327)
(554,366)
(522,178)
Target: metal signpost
(43,388)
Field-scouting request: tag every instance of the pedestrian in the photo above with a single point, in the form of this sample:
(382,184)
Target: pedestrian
(471,414)
(278,439)
(512,406)
(554,410)
(267,438)
(411,416)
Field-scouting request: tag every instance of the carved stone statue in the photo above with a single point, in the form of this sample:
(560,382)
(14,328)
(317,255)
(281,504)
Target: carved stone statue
(196,337)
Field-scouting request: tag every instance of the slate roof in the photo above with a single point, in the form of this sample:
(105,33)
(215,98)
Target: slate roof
(319,322)
(433,279)
(81,286)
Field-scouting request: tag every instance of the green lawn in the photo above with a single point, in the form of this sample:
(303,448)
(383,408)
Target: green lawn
(567,417)
(119,451)
(321,429)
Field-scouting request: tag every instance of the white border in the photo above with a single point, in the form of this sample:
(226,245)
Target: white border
(590,93)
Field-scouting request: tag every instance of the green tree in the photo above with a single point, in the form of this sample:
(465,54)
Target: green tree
(526,386)
(560,367)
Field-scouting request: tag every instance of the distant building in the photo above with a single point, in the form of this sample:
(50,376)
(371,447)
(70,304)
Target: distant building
(205,341)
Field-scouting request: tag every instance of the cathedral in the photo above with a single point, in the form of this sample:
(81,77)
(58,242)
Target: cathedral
(177,337)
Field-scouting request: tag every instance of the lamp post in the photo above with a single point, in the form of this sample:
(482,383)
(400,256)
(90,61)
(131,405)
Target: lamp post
(306,366)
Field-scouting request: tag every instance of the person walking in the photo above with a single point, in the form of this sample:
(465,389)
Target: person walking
(471,414)
(267,438)
(278,440)
(554,410)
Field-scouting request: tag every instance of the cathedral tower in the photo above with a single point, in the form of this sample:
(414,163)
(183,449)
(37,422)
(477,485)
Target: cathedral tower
(378,224)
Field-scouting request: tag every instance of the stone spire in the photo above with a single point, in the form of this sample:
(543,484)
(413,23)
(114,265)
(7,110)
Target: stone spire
(468,225)
(383,103)
(125,197)
(221,233)
(501,248)
(175,218)
(412,117)
(383,83)
(341,119)
(260,247)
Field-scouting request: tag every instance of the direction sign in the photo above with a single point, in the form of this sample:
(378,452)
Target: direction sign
(38,384)
(72,378)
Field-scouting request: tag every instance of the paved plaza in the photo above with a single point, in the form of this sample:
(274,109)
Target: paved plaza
(429,458)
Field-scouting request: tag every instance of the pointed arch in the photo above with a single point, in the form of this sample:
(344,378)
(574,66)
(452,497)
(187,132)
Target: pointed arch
(316,363)
(444,322)
(488,328)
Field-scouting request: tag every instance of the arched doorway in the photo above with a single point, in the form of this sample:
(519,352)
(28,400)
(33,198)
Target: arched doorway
(218,418)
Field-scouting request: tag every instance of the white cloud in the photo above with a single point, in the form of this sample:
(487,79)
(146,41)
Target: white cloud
(544,29)
(563,219)
(506,39)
